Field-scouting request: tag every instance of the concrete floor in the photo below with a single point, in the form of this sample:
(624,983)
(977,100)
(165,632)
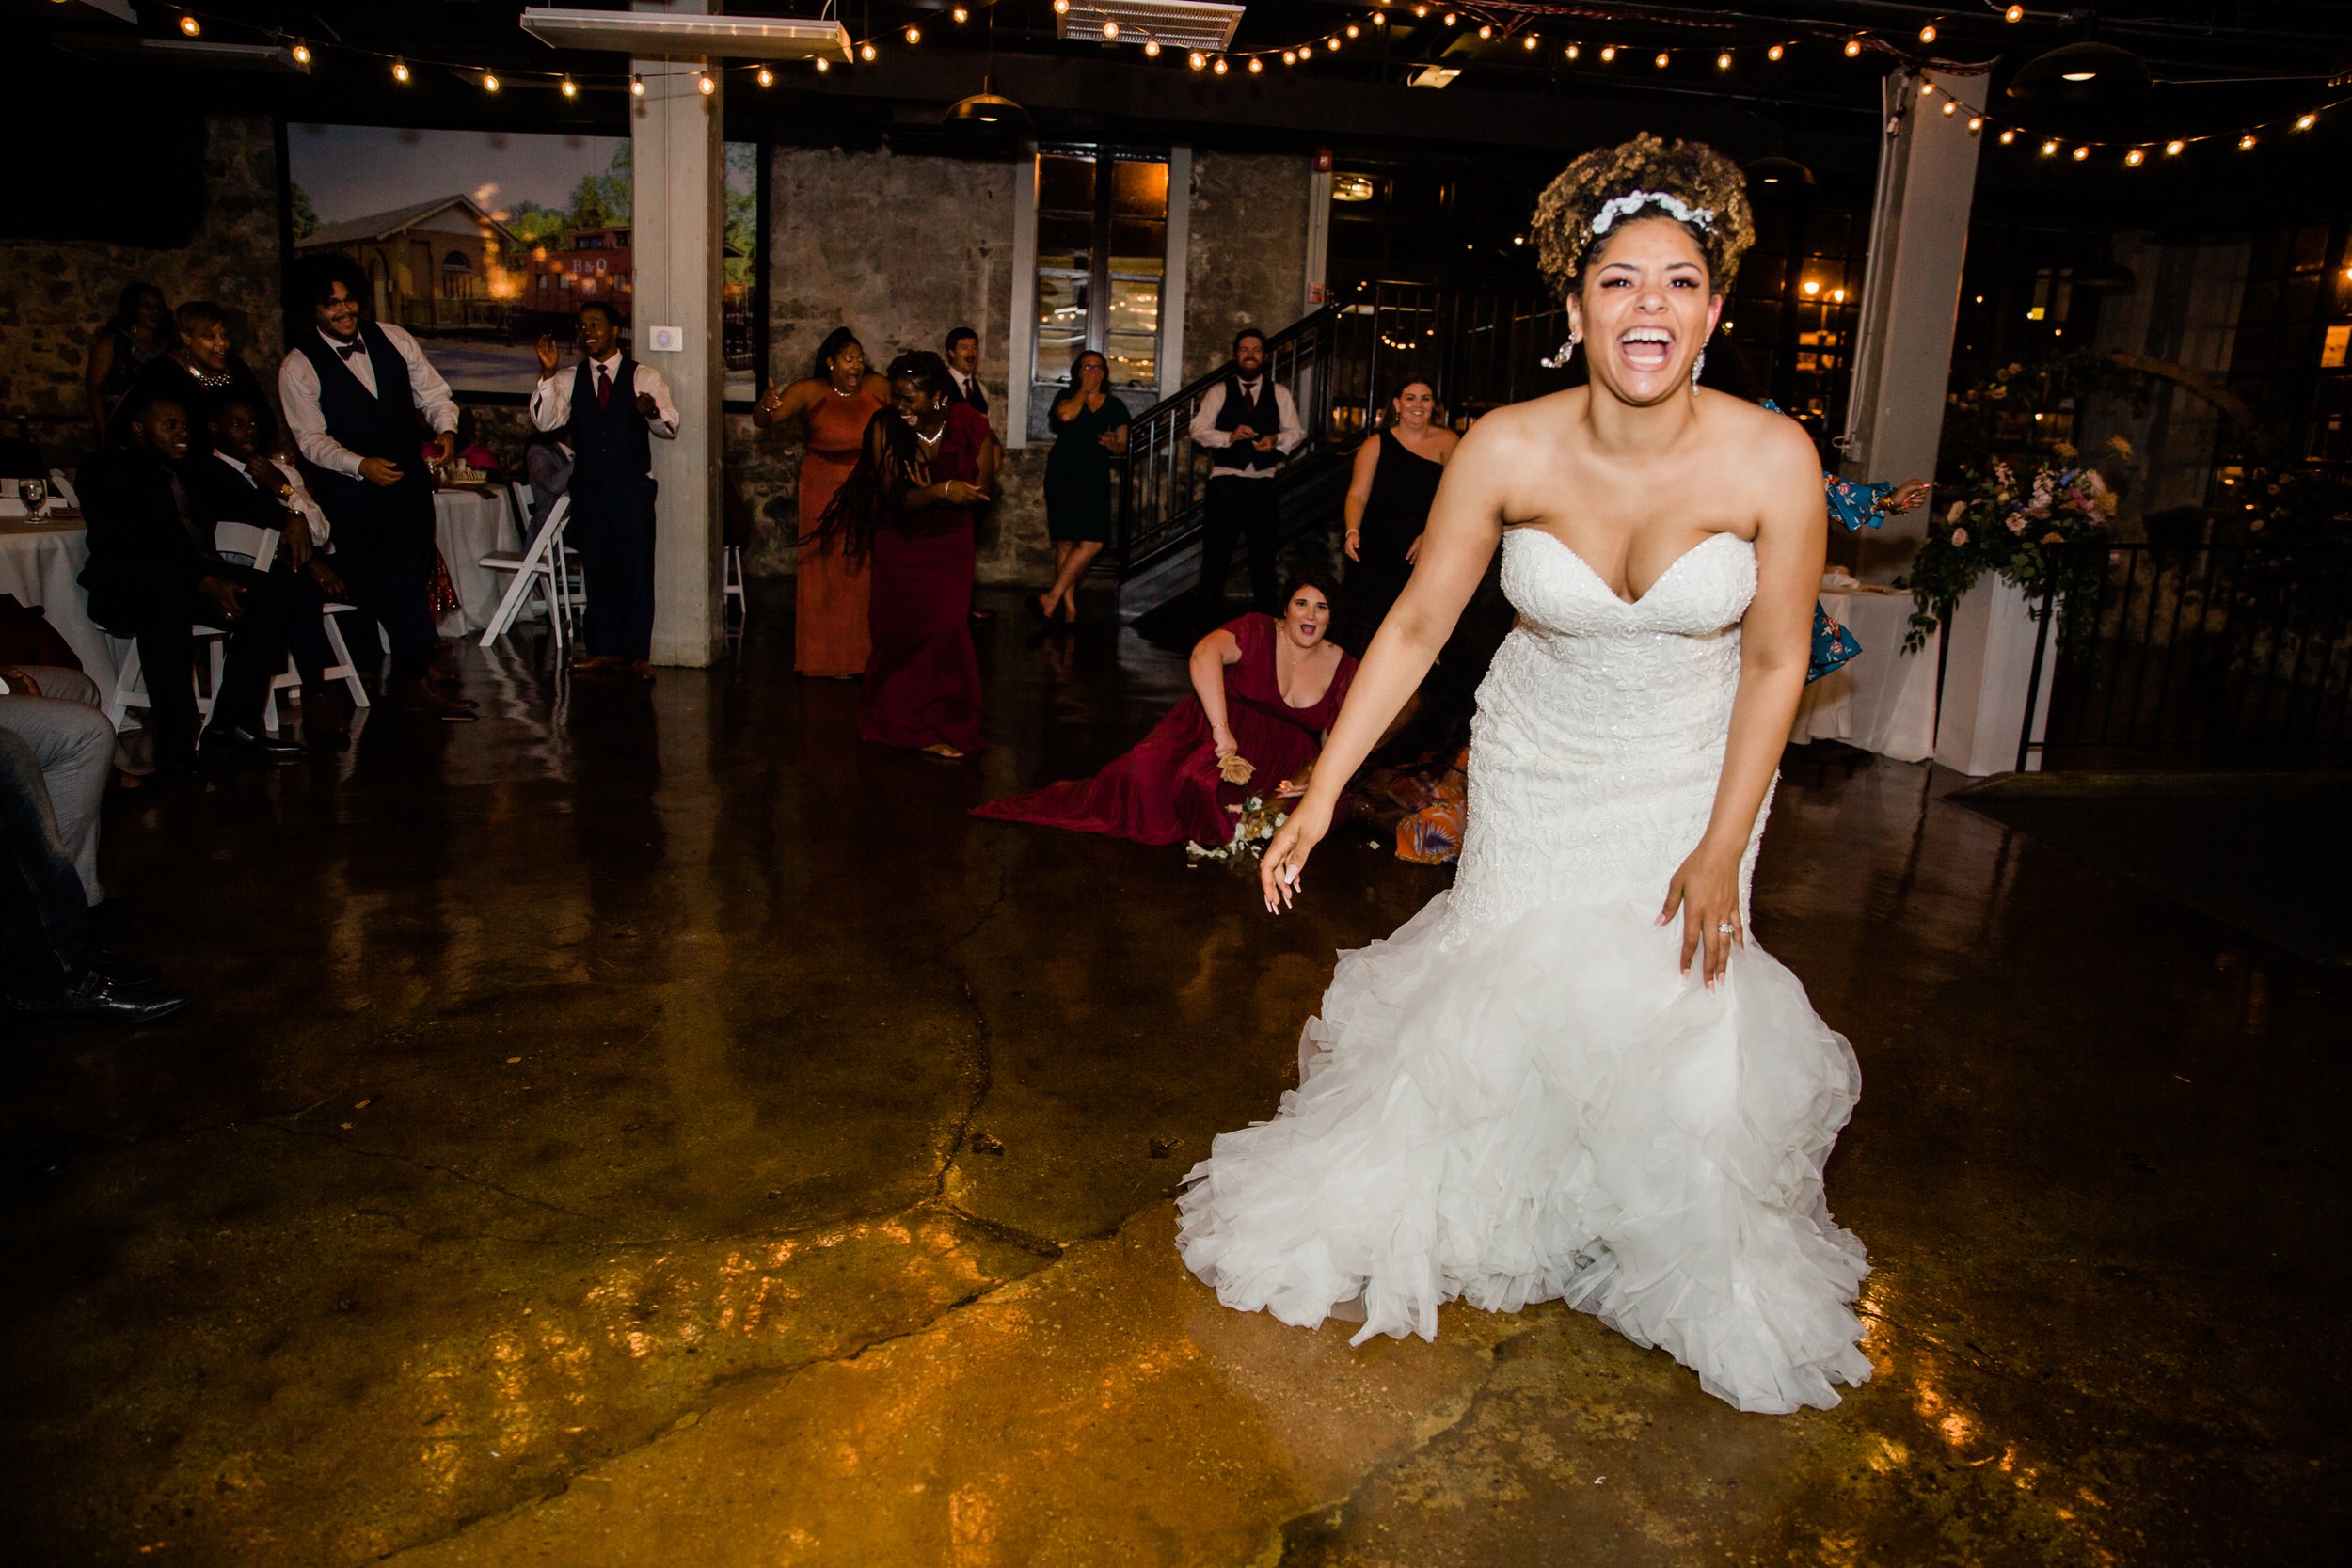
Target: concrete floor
(654,1129)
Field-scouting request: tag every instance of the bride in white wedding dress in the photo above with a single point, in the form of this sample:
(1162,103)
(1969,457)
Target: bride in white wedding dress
(1572,1075)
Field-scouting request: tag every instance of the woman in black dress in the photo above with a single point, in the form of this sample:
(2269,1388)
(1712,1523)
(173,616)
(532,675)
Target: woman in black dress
(203,374)
(1090,429)
(1394,481)
(136,338)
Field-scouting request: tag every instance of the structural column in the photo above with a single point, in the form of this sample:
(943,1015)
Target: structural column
(1911,298)
(677,222)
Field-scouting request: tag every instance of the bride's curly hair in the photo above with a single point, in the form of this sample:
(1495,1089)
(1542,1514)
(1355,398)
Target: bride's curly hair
(1690,171)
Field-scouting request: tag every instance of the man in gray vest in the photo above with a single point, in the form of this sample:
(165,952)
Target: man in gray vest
(1249,427)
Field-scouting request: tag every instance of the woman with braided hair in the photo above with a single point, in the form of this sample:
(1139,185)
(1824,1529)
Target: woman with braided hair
(927,464)
(1572,1075)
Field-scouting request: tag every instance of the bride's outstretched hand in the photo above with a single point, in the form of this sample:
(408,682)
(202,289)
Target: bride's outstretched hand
(1706,888)
(1286,856)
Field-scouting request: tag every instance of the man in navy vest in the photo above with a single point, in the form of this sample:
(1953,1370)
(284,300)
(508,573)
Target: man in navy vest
(1249,427)
(611,405)
(353,390)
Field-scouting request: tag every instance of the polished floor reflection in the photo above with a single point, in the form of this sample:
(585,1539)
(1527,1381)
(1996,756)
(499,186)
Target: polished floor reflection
(649,1127)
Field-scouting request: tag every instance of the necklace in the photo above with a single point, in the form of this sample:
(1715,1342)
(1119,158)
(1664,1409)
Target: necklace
(839,393)
(931,440)
(212,381)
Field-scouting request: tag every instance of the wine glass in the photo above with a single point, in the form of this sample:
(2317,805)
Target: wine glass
(34,493)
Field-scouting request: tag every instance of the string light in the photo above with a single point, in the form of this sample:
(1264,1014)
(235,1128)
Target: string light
(637,84)
(1609,55)
(190,25)
(1531,42)
(2246,142)
(1352,32)
(823,65)
(2174,148)
(399,70)
(1951,107)
(571,89)
(2081,152)
(1450,19)
(1976,123)
(1573,51)
(961,14)
(2306,122)
(301,53)
(766,78)
(1722,61)
(1486,30)
(2008,136)
(1927,34)
(1198,61)
(1256,65)
(706,85)
(2049,150)
(1219,65)
(1061,7)
(1927,90)
(2134,158)
(1381,19)
(1660,61)
(1289,56)
(866,52)
(1152,48)
(489,80)
(1775,52)
(915,34)
(1853,47)
(2015,13)
(1110,27)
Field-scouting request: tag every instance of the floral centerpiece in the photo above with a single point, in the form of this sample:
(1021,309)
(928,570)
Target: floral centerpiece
(2029,528)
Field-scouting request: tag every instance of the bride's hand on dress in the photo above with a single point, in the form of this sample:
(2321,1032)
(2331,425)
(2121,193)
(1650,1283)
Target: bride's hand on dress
(1706,888)
(1285,857)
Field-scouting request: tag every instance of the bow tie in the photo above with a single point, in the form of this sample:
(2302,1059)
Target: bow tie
(347,350)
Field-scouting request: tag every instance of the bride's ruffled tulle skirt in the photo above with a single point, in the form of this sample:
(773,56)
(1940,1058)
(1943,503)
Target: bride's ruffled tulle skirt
(1550,1109)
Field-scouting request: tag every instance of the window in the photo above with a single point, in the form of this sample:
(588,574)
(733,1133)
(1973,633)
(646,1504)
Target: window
(1101,261)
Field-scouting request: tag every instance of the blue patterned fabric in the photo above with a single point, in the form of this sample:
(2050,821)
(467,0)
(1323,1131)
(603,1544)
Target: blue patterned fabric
(1833,645)
(1857,507)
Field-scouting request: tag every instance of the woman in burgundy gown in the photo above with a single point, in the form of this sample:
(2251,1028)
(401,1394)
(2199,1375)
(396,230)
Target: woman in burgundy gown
(1263,689)
(907,510)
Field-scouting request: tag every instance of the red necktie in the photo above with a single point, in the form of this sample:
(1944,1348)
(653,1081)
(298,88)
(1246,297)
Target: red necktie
(604,386)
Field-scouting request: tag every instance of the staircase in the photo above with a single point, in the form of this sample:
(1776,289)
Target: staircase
(1481,351)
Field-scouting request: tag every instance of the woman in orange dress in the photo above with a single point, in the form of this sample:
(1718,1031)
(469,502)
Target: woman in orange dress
(830,637)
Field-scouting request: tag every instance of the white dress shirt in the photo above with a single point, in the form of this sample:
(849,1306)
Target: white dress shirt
(1286,440)
(298,391)
(551,399)
(296,500)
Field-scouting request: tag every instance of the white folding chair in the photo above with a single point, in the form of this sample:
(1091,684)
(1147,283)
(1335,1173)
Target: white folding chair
(535,572)
(62,488)
(239,539)
(731,581)
(259,545)
(565,560)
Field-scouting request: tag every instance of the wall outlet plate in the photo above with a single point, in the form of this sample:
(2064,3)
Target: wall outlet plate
(667,339)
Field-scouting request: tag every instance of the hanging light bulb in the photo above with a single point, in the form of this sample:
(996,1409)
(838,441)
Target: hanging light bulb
(190,25)
(1152,48)
(2174,148)
(823,65)
(1660,61)
(2134,158)
(2306,122)
(1111,26)
(2049,150)
(568,87)
(1198,61)
(2081,152)
(636,85)
(1256,65)
(2015,13)
(866,52)
(915,34)
(706,84)
(1289,56)
(1061,7)
(1853,47)
(1927,34)
(766,78)
(1951,107)
(961,14)
(2246,142)
(1722,61)
(1927,88)
(1976,123)
(1608,55)
(1450,19)
(1381,19)
(1352,31)
(489,80)
(301,53)
(1485,30)
(1574,51)
(1775,52)
(2008,138)
(1217,66)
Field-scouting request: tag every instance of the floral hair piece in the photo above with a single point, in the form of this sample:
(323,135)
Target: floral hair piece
(1633,202)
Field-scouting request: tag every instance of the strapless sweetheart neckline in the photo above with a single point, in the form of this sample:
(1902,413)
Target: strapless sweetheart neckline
(1603,583)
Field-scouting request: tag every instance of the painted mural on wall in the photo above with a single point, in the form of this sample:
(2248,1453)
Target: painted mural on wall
(478,242)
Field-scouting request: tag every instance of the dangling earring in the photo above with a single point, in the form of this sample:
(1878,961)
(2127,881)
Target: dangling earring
(1697,365)
(1568,351)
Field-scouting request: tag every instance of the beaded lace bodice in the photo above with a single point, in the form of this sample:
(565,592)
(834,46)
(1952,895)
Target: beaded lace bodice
(1600,729)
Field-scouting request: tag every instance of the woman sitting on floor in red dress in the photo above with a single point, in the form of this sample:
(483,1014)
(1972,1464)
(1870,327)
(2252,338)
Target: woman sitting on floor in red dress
(907,508)
(1264,692)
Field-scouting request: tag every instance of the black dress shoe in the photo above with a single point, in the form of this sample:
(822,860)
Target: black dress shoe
(236,738)
(104,1000)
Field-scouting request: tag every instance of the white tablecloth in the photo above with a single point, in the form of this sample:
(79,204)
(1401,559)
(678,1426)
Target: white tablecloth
(1883,699)
(468,525)
(41,564)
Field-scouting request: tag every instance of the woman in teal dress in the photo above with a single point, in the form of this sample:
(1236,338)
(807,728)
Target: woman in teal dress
(1090,429)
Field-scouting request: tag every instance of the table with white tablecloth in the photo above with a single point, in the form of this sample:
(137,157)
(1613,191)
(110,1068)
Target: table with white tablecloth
(1883,699)
(41,564)
(469,522)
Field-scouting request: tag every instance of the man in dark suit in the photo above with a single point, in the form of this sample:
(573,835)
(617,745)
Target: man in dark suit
(963,353)
(238,483)
(153,575)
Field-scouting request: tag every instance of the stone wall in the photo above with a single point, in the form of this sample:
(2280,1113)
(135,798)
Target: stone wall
(1247,264)
(55,296)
